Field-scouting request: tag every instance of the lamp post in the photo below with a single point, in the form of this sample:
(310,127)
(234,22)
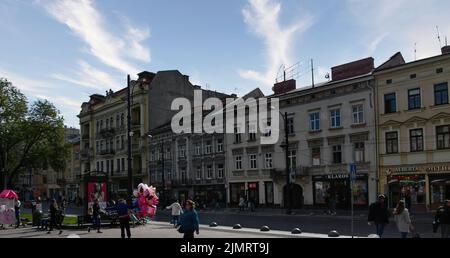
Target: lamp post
(288,203)
(129,146)
(3,182)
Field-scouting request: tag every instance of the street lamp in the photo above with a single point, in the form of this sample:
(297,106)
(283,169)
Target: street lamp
(2,155)
(288,170)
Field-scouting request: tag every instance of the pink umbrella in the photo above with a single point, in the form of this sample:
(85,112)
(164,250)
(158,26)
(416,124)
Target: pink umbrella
(9,194)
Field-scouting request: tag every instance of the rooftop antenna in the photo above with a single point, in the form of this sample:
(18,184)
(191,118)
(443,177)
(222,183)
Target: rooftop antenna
(439,36)
(312,72)
(282,68)
(415,51)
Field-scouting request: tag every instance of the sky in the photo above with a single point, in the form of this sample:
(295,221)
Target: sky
(67,50)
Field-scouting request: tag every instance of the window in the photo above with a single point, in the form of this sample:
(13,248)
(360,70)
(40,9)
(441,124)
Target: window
(118,143)
(182,151)
(441,94)
(390,103)
(220,145)
(253,164)
(107,166)
(169,174)
(97,146)
(268,131)
(209,172)
(389,81)
(290,126)
(107,123)
(237,135)
(118,165)
(413,76)
(335,118)
(416,140)
(315,153)
(251,132)
(238,162)
(337,154)
(98,166)
(198,149)
(443,137)
(183,176)
(314,119)
(117,121)
(220,171)
(268,160)
(123,164)
(392,143)
(122,142)
(208,148)
(98,127)
(102,167)
(439,70)
(358,114)
(292,157)
(359,152)
(414,101)
(122,120)
(199,172)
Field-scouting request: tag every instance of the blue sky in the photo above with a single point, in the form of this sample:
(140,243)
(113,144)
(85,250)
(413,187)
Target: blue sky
(66,50)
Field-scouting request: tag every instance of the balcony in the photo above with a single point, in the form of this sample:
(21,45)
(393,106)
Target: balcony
(107,133)
(86,154)
(281,174)
(107,152)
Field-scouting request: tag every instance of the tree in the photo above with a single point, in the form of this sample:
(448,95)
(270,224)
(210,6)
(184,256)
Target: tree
(31,136)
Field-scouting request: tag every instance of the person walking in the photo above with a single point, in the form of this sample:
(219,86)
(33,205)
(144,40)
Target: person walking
(402,219)
(54,217)
(123,211)
(379,215)
(241,203)
(442,219)
(189,222)
(96,220)
(176,210)
(17,207)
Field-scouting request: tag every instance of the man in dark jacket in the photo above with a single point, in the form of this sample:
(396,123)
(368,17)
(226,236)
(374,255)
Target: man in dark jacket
(96,222)
(189,222)
(124,217)
(443,219)
(379,215)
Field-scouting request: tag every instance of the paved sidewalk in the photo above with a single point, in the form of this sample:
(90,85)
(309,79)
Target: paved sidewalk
(155,230)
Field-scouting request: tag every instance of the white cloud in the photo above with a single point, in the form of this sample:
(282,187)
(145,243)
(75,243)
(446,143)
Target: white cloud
(90,77)
(87,23)
(402,23)
(263,18)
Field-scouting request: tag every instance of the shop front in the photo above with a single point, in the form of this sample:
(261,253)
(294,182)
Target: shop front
(339,187)
(210,196)
(423,187)
(237,190)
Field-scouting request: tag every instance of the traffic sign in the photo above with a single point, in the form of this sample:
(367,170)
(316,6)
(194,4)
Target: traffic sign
(353,172)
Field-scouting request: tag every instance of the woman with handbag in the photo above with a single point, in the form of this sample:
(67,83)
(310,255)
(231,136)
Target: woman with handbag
(189,222)
(402,219)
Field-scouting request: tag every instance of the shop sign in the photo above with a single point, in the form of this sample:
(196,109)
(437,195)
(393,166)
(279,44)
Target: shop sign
(252,186)
(415,169)
(336,177)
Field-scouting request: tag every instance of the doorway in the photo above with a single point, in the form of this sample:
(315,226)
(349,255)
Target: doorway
(297,196)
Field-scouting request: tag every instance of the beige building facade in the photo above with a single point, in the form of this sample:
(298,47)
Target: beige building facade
(413,129)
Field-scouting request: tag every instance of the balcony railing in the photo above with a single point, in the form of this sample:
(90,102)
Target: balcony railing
(107,152)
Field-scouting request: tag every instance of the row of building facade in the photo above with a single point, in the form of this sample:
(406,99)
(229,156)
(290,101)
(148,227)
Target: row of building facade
(392,121)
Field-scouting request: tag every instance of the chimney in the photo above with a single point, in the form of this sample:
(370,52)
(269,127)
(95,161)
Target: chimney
(446,50)
(284,87)
(353,69)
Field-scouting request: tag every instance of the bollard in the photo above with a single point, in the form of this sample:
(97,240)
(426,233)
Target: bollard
(265,229)
(333,233)
(213,225)
(374,236)
(296,231)
(237,226)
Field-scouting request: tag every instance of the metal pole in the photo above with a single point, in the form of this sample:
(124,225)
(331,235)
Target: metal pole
(163,193)
(130,173)
(352,202)
(288,179)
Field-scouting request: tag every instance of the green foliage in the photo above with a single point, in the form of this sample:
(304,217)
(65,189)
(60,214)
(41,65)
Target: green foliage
(32,136)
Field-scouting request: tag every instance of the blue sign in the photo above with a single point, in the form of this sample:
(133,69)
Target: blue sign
(353,172)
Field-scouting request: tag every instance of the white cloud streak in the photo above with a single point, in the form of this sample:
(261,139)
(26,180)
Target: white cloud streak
(87,23)
(263,19)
